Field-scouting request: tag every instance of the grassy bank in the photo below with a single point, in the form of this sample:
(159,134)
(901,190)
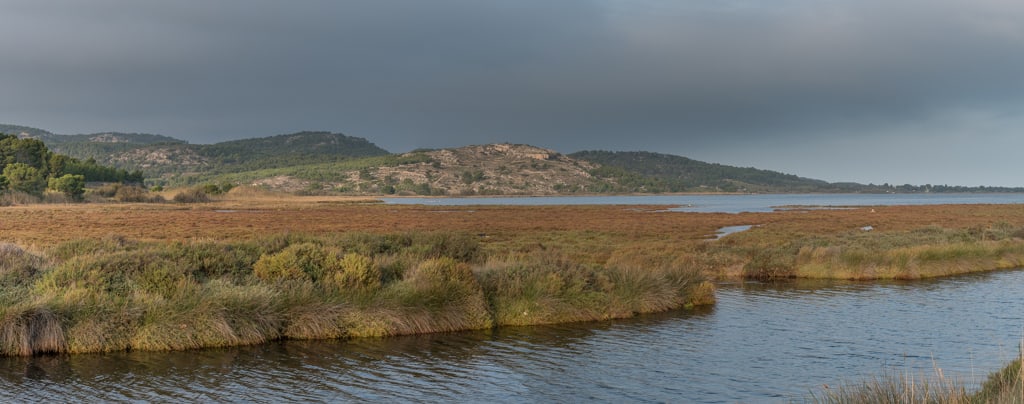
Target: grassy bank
(113,294)
(925,252)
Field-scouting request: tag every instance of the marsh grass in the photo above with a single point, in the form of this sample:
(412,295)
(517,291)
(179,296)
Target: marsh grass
(17,266)
(911,262)
(896,388)
(925,252)
(288,273)
(30,329)
(1003,386)
(112,293)
(544,287)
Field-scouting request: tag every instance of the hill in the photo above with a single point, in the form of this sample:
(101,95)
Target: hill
(656,172)
(334,163)
(493,169)
(515,169)
(171,161)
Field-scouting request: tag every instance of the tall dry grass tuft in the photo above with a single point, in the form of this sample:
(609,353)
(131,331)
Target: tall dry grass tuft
(215,314)
(436,295)
(1005,385)
(27,331)
(320,320)
(17,266)
(544,286)
(96,321)
(897,388)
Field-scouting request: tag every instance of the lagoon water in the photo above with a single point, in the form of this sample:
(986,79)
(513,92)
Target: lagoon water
(730,203)
(760,343)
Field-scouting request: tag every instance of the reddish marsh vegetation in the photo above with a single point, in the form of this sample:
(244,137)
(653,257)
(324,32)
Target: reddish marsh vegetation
(100,277)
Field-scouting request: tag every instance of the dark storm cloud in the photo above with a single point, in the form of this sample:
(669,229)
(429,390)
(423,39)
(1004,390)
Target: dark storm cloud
(774,84)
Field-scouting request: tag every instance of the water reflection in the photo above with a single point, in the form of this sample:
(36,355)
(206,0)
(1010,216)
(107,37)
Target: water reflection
(761,342)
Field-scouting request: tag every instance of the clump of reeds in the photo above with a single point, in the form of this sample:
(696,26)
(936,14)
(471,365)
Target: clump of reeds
(30,330)
(896,388)
(769,263)
(544,286)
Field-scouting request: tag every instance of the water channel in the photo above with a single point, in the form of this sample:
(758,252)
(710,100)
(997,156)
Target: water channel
(760,343)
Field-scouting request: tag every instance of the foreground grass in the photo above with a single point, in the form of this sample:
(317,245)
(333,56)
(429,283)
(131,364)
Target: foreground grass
(114,294)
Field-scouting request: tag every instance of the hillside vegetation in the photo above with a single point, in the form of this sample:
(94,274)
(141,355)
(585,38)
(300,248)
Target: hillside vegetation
(169,161)
(656,172)
(324,163)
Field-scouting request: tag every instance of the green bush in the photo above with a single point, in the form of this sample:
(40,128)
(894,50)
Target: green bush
(25,178)
(440,271)
(356,271)
(72,186)
(295,262)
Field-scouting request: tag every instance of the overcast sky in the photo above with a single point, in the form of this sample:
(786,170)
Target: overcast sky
(897,91)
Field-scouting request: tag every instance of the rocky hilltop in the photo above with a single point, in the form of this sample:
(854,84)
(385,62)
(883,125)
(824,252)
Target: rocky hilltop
(493,169)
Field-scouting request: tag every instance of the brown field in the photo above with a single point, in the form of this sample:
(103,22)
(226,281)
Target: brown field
(250,268)
(242,219)
(589,232)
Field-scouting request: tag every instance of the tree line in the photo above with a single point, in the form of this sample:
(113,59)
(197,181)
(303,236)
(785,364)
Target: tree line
(28,166)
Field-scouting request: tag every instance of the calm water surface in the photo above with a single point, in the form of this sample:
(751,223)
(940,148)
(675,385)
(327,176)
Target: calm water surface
(730,203)
(760,343)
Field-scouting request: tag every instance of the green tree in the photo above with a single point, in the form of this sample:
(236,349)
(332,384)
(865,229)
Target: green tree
(72,186)
(31,152)
(25,178)
(58,163)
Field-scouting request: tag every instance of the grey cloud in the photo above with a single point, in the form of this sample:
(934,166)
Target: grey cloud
(726,79)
